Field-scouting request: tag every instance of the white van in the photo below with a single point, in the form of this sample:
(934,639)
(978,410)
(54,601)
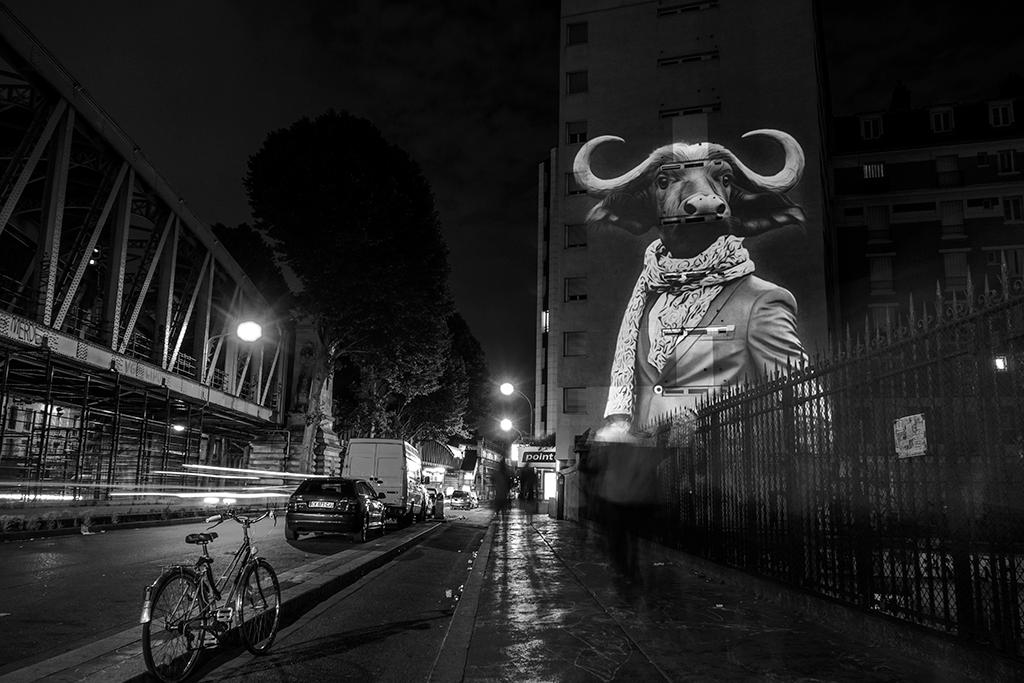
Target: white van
(394,467)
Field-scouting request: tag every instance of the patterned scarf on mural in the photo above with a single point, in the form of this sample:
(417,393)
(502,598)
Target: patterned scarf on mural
(685,288)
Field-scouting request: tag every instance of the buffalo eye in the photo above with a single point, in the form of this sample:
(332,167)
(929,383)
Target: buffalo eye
(663,181)
(726,180)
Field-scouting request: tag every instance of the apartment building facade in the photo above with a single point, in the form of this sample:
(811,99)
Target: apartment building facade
(654,73)
(925,199)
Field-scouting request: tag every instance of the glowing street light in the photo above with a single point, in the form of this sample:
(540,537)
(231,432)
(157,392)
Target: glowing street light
(507,426)
(249,331)
(507,388)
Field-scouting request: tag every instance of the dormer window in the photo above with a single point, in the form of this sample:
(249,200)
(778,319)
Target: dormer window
(870,127)
(942,119)
(1000,113)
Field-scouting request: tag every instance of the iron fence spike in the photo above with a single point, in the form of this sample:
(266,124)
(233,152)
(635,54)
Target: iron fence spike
(970,293)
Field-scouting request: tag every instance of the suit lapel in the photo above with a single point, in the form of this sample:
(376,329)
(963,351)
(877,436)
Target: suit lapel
(687,342)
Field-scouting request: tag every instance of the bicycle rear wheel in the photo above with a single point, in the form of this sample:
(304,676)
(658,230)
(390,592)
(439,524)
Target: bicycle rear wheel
(172,639)
(258,606)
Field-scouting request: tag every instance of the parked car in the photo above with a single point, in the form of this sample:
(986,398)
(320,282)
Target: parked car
(462,500)
(336,505)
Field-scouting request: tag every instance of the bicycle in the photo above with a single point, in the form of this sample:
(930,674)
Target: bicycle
(185,611)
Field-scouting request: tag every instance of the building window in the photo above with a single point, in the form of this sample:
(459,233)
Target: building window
(873,171)
(1013,209)
(1000,114)
(575,289)
(545,321)
(683,7)
(1013,256)
(574,344)
(870,127)
(576,33)
(576,82)
(878,223)
(942,119)
(881,273)
(983,203)
(948,168)
(575,132)
(982,159)
(955,266)
(574,400)
(575,235)
(951,215)
(1006,161)
(571,186)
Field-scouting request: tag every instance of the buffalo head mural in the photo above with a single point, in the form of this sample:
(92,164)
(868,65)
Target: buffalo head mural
(698,319)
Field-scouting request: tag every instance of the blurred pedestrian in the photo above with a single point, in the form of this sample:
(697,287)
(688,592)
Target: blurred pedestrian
(502,488)
(627,490)
(528,483)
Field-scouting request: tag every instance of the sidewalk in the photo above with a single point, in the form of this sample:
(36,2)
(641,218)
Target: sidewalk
(552,609)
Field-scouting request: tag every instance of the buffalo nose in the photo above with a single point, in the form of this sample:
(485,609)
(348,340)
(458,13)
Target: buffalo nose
(689,208)
(720,209)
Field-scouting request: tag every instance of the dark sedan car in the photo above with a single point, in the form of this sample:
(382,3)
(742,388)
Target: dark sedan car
(337,505)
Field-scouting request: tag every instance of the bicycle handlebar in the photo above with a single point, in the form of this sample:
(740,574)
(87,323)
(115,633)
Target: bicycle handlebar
(228,514)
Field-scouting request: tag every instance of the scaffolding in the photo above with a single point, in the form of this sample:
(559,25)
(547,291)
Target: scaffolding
(74,434)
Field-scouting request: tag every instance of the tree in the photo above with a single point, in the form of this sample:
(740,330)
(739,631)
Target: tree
(353,217)
(457,406)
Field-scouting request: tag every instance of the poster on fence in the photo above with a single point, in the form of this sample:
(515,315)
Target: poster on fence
(909,436)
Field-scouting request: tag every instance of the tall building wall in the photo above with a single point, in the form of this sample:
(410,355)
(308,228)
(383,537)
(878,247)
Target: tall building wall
(654,73)
(924,198)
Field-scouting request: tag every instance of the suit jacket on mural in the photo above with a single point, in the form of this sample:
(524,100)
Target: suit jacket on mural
(749,329)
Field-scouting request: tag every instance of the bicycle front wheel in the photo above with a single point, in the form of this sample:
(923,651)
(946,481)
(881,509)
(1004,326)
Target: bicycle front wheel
(172,639)
(258,606)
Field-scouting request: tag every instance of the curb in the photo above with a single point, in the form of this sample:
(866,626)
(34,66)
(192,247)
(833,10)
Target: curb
(450,664)
(119,656)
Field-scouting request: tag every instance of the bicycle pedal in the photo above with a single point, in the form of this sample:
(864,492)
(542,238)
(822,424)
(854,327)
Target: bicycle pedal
(210,639)
(224,614)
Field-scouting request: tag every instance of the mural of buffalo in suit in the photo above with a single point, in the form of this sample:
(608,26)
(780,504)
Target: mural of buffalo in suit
(698,318)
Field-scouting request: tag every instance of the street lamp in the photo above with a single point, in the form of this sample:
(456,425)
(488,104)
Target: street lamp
(507,388)
(248,331)
(508,427)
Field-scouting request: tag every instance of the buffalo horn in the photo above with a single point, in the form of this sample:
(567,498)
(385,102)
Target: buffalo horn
(791,171)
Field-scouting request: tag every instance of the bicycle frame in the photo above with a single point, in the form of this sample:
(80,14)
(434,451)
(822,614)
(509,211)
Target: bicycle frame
(211,591)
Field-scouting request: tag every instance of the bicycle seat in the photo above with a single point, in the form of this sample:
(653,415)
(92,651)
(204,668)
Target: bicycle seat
(201,539)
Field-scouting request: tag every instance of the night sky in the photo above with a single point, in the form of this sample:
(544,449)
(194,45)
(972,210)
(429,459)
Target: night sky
(468,88)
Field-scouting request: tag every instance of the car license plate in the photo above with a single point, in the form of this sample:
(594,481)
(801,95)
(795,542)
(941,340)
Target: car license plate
(321,504)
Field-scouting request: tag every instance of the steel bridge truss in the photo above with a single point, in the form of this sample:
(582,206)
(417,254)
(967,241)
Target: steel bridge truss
(101,262)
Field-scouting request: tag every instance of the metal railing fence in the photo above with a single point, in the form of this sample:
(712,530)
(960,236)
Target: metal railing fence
(800,479)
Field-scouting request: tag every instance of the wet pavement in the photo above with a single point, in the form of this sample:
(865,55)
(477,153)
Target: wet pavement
(552,608)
